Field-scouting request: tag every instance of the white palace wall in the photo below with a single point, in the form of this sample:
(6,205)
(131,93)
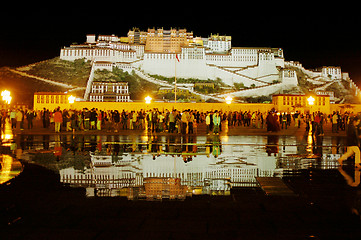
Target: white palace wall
(167,65)
(98,54)
(250,66)
(243,66)
(188,68)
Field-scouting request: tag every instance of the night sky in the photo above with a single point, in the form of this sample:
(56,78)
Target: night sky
(315,35)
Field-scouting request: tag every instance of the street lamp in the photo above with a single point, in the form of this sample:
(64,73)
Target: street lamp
(6,96)
(148,99)
(229,99)
(71,99)
(311,100)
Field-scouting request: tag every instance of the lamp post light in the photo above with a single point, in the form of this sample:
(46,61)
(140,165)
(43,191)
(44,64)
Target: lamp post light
(229,99)
(6,96)
(71,100)
(148,99)
(311,101)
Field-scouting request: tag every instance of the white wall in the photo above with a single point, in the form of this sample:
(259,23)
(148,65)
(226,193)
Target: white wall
(241,65)
(98,54)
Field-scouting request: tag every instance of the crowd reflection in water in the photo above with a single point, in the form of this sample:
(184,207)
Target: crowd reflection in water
(118,144)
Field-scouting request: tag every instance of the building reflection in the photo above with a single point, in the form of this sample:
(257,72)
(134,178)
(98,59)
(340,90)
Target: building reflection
(156,167)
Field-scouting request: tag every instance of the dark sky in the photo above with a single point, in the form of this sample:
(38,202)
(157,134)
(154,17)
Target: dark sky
(326,34)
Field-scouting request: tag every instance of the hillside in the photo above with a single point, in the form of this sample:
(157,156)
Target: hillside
(75,73)
(341,88)
(22,88)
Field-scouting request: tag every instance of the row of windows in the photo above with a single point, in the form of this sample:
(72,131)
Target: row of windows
(95,52)
(179,39)
(162,56)
(219,44)
(302,98)
(323,103)
(233,57)
(266,57)
(96,98)
(118,91)
(332,70)
(288,73)
(115,89)
(88,52)
(117,99)
(57,99)
(122,99)
(244,51)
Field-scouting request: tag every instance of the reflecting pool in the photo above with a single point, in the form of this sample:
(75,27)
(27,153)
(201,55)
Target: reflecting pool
(157,167)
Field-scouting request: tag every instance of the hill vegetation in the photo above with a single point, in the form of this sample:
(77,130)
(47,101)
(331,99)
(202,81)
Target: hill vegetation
(23,88)
(75,73)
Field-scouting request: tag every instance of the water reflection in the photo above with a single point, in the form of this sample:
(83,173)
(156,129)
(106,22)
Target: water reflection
(354,180)
(9,168)
(156,167)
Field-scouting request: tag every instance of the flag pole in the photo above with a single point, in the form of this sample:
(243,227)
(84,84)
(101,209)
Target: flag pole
(175,79)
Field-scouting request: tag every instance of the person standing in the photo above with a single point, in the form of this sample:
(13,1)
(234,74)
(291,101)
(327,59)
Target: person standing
(171,119)
(184,120)
(93,119)
(190,122)
(352,143)
(99,120)
(13,119)
(73,119)
(208,122)
(283,119)
(297,117)
(124,120)
(58,119)
(322,119)
(30,115)
(216,122)
(334,120)
(86,119)
(116,120)
(46,118)
(20,118)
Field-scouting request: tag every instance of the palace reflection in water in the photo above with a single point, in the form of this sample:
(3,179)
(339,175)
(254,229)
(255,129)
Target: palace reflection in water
(156,167)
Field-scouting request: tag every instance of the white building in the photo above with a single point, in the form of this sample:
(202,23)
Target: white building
(331,72)
(219,44)
(109,92)
(216,59)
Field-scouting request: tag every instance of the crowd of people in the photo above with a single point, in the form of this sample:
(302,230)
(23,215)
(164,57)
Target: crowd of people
(171,121)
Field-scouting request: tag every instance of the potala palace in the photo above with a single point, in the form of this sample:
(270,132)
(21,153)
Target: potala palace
(176,52)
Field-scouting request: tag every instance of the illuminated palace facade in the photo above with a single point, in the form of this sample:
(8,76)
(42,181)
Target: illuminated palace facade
(178,51)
